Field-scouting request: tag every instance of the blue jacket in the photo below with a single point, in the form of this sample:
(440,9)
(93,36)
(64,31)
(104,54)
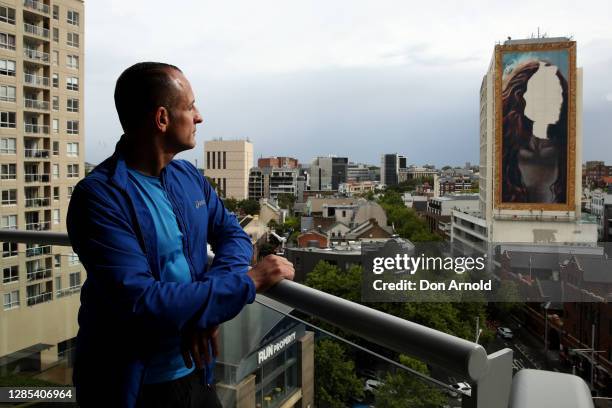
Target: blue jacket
(125,309)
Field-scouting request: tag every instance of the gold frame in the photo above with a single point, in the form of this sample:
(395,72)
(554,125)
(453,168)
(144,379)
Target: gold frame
(571,126)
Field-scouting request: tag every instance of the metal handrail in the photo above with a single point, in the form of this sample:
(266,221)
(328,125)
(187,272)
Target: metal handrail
(36,104)
(36,129)
(36,55)
(36,5)
(38,80)
(36,30)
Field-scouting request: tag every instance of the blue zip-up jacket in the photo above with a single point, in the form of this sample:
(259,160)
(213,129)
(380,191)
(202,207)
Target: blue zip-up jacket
(125,308)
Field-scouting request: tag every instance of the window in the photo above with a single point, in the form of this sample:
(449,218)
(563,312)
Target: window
(7,67)
(7,41)
(73,40)
(7,93)
(72,61)
(56,12)
(55,80)
(55,125)
(55,57)
(56,216)
(58,283)
(72,105)
(9,249)
(72,149)
(8,171)
(72,170)
(10,274)
(8,145)
(11,300)
(73,17)
(55,103)
(55,148)
(8,120)
(56,193)
(57,261)
(55,171)
(9,197)
(7,15)
(55,34)
(75,278)
(72,127)
(72,83)
(70,190)
(73,259)
(9,222)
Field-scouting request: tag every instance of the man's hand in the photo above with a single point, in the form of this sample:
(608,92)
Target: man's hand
(270,271)
(198,342)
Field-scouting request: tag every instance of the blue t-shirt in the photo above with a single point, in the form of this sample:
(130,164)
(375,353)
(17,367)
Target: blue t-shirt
(167,364)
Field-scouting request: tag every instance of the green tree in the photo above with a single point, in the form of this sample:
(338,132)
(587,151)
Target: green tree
(336,380)
(231,204)
(250,207)
(330,279)
(286,201)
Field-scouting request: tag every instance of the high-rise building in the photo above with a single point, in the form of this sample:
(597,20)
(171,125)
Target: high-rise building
(41,160)
(327,173)
(530,148)
(227,164)
(390,165)
(288,162)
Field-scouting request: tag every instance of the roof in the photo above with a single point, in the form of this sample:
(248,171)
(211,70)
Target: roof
(595,268)
(316,203)
(536,260)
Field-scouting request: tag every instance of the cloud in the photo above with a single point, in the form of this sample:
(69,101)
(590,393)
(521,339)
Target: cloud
(608,97)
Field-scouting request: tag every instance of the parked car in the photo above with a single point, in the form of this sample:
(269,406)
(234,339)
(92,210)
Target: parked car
(505,333)
(462,388)
(372,385)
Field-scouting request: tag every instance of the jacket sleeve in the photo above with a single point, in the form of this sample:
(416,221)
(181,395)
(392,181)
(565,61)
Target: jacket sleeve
(102,234)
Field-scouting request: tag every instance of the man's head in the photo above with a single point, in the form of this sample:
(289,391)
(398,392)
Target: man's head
(153,97)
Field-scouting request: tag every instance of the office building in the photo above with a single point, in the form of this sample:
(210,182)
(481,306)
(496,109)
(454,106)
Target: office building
(327,173)
(270,182)
(390,165)
(227,164)
(41,160)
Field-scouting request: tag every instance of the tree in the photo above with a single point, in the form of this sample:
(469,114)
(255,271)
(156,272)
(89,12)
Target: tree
(405,220)
(250,207)
(336,380)
(330,279)
(231,204)
(286,201)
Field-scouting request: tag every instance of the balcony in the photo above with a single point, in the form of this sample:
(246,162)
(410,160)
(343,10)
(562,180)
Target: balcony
(37,202)
(38,251)
(35,55)
(36,178)
(34,129)
(36,30)
(38,226)
(36,104)
(38,273)
(489,375)
(36,6)
(37,153)
(36,80)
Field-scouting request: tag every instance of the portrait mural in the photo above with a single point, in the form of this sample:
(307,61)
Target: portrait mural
(535,135)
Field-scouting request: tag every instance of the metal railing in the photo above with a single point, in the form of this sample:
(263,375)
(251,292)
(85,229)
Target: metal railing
(36,30)
(36,104)
(35,55)
(43,297)
(37,153)
(36,129)
(38,226)
(37,80)
(37,251)
(37,202)
(38,273)
(36,178)
(36,5)
(490,375)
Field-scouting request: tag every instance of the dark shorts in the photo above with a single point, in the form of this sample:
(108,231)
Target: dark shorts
(188,392)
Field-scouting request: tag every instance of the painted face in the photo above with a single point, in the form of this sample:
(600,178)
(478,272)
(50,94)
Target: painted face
(184,117)
(544,96)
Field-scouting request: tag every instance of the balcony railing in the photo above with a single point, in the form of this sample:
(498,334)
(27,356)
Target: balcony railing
(489,375)
(36,104)
(35,55)
(36,5)
(36,30)
(32,128)
(38,226)
(36,80)
(38,273)
(37,251)
(43,297)
(37,202)
(37,153)
(36,178)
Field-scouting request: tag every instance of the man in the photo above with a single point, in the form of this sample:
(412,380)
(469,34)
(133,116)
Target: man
(140,223)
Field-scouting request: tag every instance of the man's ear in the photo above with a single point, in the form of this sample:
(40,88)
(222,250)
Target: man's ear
(162,118)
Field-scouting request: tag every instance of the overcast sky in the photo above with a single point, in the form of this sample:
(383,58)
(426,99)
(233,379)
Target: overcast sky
(351,78)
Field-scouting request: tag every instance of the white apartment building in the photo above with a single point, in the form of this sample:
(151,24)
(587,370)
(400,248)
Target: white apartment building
(227,164)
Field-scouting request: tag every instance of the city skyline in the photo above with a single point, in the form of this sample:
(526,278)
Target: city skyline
(350,79)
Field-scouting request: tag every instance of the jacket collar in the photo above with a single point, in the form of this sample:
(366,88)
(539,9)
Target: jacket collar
(119,174)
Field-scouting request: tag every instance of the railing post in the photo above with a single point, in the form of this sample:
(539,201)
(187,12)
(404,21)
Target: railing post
(493,390)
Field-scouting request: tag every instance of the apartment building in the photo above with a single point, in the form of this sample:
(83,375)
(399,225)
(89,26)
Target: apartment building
(227,164)
(41,160)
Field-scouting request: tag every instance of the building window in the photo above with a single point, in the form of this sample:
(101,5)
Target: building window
(8,120)
(73,259)
(55,34)
(56,216)
(55,150)
(9,249)
(55,57)
(58,284)
(224,162)
(8,145)
(70,190)
(73,40)
(57,261)
(56,193)
(56,12)
(73,17)
(55,171)
(208,160)
(11,300)
(55,125)
(72,105)
(7,93)
(72,149)
(9,197)
(7,41)
(7,15)
(8,171)
(7,67)
(10,274)
(72,83)
(55,103)
(72,171)
(72,127)
(72,61)
(55,80)
(9,222)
